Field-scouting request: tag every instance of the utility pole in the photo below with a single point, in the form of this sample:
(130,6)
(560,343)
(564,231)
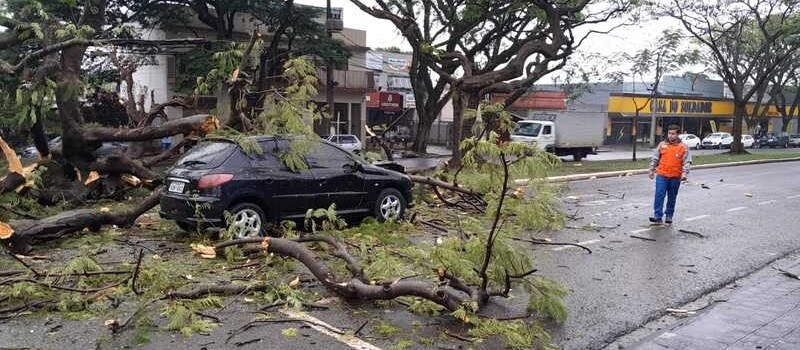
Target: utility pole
(325,122)
(653,120)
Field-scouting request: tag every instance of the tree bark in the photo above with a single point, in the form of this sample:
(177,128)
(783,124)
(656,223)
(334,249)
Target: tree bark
(458,124)
(28,232)
(448,186)
(121,164)
(40,139)
(198,123)
(451,295)
(738,118)
(424,127)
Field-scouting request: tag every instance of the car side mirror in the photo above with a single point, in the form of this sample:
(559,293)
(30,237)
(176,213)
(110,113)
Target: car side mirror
(351,167)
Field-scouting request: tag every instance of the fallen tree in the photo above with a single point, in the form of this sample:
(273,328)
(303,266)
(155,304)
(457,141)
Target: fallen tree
(452,294)
(21,235)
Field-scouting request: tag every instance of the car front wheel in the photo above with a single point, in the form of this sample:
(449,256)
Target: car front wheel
(390,205)
(246,220)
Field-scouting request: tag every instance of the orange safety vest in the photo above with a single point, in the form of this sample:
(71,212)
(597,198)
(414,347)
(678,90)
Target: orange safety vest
(670,163)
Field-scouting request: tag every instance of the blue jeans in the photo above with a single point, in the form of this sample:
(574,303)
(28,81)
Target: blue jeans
(666,187)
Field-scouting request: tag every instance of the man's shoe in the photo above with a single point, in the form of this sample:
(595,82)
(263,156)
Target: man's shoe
(655,220)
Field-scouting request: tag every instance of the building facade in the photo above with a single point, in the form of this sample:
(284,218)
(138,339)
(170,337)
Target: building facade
(699,105)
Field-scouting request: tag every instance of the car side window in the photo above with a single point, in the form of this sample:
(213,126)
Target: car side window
(269,158)
(323,155)
(548,129)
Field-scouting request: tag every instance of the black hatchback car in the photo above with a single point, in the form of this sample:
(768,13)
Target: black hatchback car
(773,140)
(217,176)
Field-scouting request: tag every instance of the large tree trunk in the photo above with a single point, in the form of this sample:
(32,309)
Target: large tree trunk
(458,123)
(25,233)
(471,101)
(739,111)
(40,139)
(423,132)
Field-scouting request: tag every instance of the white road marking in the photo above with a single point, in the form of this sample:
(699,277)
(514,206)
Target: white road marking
(696,217)
(793,197)
(591,241)
(640,230)
(766,202)
(324,328)
(736,209)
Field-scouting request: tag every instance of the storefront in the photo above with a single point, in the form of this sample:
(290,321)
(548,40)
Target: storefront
(699,116)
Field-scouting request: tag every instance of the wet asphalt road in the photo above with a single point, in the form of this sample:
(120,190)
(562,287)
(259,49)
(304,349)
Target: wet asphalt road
(627,281)
(623,284)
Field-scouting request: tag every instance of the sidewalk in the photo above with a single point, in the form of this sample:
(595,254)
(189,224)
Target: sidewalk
(762,315)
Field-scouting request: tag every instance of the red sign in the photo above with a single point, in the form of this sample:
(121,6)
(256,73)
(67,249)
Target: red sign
(385,101)
(537,100)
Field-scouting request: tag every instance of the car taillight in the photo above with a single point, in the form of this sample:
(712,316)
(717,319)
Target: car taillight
(213,180)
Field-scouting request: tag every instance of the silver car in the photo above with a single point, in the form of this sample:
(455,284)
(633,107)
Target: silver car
(348,142)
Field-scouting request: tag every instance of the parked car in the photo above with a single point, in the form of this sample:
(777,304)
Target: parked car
(690,140)
(773,140)
(32,152)
(748,141)
(717,140)
(217,176)
(348,142)
(794,140)
(106,149)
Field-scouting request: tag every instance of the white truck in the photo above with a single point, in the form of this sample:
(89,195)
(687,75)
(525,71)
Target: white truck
(562,134)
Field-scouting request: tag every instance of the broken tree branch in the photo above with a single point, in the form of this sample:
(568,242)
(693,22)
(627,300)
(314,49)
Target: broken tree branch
(26,232)
(541,242)
(352,288)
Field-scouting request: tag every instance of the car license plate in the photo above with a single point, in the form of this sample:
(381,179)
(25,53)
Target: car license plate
(177,187)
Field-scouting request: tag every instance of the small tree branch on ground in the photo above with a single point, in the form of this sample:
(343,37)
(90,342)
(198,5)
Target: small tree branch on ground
(541,242)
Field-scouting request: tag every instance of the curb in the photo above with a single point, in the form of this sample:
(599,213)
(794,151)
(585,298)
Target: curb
(592,176)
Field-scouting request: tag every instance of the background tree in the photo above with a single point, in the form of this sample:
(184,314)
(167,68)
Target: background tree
(52,41)
(650,65)
(744,41)
(785,92)
(472,48)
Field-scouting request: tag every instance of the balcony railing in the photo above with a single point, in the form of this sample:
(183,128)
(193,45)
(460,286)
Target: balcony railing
(348,79)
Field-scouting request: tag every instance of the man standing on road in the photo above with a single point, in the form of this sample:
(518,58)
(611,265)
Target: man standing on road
(669,166)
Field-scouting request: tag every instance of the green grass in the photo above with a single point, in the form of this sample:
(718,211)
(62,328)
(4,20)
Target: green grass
(644,162)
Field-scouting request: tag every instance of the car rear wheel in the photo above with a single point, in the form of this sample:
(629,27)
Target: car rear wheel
(390,205)
(246,220)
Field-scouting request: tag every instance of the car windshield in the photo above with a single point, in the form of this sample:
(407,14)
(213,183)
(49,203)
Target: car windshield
(207,155)
(347,139)
(528,129)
